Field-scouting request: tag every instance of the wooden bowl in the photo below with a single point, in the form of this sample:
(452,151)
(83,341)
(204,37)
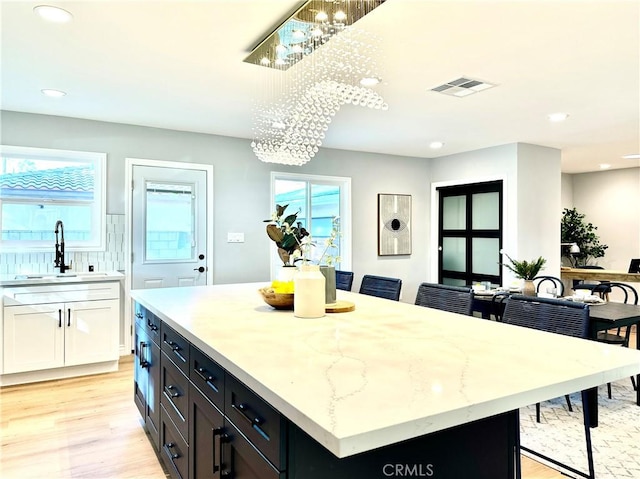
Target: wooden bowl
(277,300)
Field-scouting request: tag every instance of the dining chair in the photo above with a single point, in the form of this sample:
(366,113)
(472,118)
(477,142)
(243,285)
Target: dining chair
(549,281)
(456,299)
(381,286)
(582,284)
(619,336)
(344,280)
(560,317)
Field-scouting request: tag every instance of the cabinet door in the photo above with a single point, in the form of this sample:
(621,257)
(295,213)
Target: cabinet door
(141,369)
(241,460)
(205,433)
(92,331)
(153,393)
(33,337)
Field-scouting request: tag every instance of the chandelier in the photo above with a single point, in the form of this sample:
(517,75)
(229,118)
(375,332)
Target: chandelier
(307,29)
(298,105)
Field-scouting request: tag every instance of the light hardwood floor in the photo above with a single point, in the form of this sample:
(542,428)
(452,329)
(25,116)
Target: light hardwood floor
(90,428)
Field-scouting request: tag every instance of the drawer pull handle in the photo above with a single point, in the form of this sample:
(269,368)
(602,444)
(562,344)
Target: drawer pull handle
(176,350)
(138,315)
(218,434)
(172,455)
(151,325)
(255,423)
(169,391)
(143,362)
(206,377)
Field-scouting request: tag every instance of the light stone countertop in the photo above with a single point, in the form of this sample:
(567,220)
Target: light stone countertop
(387,371)
(7,280)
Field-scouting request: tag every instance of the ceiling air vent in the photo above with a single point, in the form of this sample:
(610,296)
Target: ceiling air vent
(462,87)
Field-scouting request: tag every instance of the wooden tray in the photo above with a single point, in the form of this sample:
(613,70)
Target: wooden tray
(340,306)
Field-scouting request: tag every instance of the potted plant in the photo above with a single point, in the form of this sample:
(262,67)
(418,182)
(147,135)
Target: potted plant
(574,229)
(526,270)
(287,233)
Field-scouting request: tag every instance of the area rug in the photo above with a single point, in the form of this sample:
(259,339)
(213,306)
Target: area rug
(560,433)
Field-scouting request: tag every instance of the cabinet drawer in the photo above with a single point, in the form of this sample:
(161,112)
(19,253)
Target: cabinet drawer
(208,376)
(174,450)
(259,422)
(174,395)
(148,321)
(176,348)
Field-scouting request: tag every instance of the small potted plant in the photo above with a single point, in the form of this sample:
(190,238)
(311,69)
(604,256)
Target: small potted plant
(526,270)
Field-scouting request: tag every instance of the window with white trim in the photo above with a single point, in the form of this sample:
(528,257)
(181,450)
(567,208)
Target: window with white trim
(40,186)
(319,199)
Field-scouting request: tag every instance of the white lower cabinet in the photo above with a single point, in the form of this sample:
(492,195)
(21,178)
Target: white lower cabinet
(44,335)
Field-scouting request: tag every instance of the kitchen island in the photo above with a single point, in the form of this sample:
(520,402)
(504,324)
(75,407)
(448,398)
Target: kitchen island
(391,387)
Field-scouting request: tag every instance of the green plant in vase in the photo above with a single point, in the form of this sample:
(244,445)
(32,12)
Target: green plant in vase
(526,270)
(287,233)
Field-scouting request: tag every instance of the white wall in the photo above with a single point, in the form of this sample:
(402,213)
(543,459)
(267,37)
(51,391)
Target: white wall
(611,201)
(531,195)
(242,188)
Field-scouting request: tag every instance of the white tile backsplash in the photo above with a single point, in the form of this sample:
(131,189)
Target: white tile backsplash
(110,260)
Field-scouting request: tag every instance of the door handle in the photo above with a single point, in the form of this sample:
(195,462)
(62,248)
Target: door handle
(200,269)
(59,318)
(69,317)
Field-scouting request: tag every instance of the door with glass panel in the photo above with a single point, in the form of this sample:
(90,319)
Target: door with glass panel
(169,218)
(470,233)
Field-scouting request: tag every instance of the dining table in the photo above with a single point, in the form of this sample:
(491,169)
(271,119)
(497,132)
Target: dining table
(602,317)
(612,315)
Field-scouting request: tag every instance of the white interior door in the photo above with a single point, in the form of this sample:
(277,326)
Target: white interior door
(169,227)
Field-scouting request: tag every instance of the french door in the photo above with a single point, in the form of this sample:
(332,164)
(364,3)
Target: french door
(470,233)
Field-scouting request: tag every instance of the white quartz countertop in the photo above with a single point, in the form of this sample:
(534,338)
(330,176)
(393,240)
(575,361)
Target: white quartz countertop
(70,276)
(387,371)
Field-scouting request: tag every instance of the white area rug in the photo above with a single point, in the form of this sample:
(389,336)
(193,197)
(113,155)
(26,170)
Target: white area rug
(560,433)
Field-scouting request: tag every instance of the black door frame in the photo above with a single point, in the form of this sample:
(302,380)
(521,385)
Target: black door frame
(468,233)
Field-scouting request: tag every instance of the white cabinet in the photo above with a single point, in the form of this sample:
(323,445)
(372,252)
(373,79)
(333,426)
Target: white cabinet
(39,333)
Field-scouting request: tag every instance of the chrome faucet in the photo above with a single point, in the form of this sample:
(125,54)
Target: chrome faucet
(59,261)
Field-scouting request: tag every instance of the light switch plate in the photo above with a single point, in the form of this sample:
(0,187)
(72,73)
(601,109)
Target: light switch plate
(235,237)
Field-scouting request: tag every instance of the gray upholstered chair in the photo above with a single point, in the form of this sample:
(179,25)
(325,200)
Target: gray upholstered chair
(456,299)
(381,286)
(344,280)
(560,317)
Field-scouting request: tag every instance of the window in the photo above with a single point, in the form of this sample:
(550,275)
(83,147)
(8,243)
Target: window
(318,199)
(39,186)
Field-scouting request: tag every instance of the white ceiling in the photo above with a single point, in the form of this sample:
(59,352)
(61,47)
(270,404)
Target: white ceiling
(178,65)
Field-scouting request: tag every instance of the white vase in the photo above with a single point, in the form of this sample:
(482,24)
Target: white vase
(309,292)
(287,273)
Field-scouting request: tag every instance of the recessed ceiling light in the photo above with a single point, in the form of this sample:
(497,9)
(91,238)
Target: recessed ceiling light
(322,16)
(53,14)
(633,156)
(53,93)
(605,166)
(555,117)
(339,16)
(435,145)
(369,81)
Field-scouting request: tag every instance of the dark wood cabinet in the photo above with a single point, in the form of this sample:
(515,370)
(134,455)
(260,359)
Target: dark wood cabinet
(206,433)
(147,377)
(174,448)
(207,424)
